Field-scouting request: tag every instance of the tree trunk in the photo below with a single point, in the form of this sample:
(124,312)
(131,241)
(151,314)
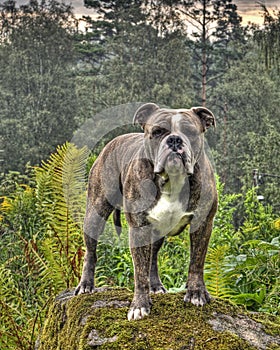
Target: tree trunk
(204,55)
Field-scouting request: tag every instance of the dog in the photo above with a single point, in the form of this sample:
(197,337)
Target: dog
(163,180)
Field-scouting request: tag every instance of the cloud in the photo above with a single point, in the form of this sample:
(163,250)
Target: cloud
(250,10)
(80,9)
(249,6)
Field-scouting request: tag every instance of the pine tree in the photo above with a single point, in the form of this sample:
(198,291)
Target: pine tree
(213,24)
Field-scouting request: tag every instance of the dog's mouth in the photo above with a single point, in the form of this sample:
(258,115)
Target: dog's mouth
(176,159)
(172,163)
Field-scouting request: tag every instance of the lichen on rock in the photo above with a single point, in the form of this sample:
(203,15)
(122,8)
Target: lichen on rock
(98,321)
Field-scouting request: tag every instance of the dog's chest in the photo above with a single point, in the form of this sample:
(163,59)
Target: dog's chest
(169,215)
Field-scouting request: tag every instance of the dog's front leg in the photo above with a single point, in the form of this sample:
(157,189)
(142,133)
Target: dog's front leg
(155,282)
(197,293)
(140,247)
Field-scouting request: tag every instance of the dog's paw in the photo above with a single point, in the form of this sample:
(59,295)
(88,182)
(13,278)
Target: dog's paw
(139,308)
(138,313)
(84,287)
(197,297)
(158,289)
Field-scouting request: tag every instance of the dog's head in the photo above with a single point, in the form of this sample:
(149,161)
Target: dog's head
(174,137)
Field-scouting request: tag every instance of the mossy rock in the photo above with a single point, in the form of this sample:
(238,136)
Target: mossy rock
(98,321)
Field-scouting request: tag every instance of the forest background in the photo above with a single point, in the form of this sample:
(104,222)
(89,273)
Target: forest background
(55,77)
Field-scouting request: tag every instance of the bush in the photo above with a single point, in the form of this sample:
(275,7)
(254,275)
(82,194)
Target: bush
(42,248)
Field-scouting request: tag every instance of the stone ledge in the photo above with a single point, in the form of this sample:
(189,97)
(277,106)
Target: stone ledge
(98,321)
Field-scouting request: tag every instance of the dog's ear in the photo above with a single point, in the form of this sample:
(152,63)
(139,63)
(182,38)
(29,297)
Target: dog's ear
(206,117)
(143,113)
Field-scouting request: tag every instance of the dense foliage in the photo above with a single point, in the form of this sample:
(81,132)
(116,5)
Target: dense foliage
(42,248)
(54,78)
(37,90)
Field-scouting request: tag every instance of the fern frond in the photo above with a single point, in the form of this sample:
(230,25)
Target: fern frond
(216,278)
(9,293)
(61,195)
(13,312)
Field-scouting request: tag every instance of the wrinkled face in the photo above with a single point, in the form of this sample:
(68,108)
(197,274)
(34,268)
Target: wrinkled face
(174,141)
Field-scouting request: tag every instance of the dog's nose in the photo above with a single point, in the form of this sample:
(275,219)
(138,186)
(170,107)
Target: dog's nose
(174,142)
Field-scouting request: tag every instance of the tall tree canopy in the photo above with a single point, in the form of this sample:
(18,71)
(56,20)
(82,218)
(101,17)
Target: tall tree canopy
(248,128)
(268,38)
(177,53)
(37,95)
(139,59)
(214,24)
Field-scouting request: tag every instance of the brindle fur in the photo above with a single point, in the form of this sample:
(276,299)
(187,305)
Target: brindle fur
(123,175)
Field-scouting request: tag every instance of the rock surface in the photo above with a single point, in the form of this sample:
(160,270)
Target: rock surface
(98,321)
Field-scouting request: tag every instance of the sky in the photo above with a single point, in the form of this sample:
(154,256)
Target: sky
(248,9)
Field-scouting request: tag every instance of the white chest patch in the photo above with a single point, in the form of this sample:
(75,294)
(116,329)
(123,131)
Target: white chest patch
(168,215)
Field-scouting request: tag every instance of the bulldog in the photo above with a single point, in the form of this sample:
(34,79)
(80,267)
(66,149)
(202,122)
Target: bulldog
(163,180)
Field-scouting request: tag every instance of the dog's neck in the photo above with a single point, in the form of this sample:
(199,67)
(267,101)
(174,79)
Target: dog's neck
(171,186)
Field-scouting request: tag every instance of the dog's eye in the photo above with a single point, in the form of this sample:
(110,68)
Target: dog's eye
(158,132)
(190,132)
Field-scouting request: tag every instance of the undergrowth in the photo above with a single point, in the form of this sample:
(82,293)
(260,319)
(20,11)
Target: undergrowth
(42,248)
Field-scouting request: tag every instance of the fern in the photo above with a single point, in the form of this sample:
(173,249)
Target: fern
(44,229)
(216,276)
(61,200)
(258,271)
(13,330)
(272,303)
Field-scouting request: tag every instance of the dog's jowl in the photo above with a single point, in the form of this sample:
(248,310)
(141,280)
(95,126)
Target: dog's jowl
(164,182)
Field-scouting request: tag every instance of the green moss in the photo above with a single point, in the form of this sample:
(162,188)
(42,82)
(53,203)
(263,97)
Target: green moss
(271,323)
(172,324)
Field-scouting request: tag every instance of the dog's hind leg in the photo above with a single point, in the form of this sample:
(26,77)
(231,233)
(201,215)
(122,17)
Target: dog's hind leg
(93,227)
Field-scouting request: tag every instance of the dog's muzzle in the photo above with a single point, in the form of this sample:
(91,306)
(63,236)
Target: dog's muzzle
(174,156)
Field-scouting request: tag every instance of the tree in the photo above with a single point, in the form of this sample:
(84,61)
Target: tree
(214,24)
(249,138)
(141,60)
(267,38)
(37,89)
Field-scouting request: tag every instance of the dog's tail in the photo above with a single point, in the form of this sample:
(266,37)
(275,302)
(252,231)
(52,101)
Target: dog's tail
(117,220)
